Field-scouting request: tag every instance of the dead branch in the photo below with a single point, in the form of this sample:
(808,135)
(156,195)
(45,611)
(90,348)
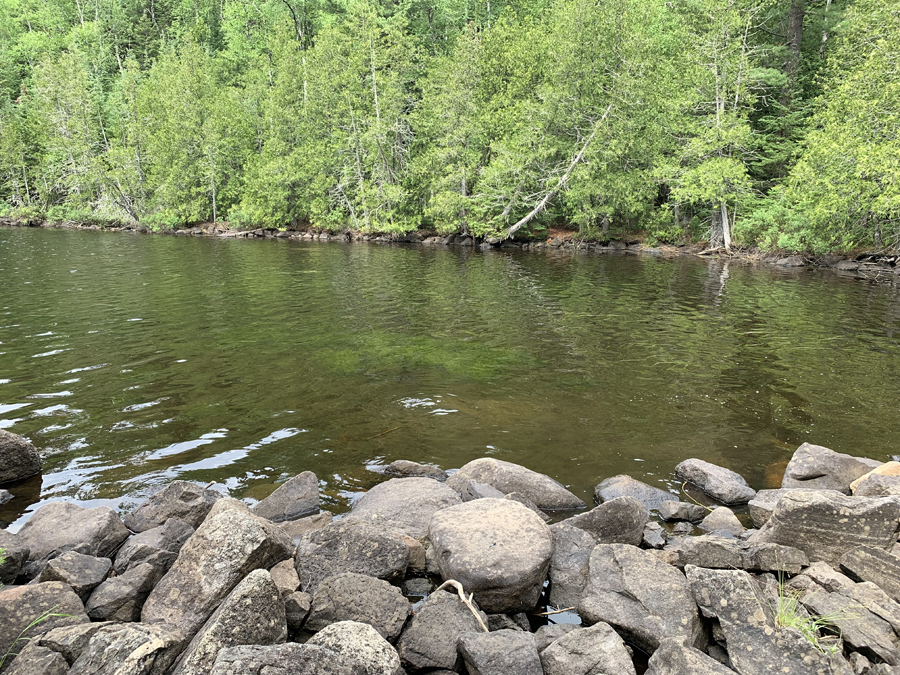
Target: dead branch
(466,601)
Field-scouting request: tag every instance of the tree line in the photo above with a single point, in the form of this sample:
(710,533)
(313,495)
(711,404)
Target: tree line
(753,123)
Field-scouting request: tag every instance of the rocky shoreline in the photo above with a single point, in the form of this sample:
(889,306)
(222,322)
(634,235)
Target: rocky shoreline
(872,266)
(443,573)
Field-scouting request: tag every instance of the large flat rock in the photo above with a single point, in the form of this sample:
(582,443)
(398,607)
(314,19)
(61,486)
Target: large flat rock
(61,526)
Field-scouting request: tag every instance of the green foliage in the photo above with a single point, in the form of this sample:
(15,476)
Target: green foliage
(790,613)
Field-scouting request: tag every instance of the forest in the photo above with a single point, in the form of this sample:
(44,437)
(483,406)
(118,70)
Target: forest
(751,124)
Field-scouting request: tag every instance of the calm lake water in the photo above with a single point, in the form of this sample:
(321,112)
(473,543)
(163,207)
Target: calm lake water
(133,360)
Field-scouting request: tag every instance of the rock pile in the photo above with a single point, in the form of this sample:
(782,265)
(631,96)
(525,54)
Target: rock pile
(194,583)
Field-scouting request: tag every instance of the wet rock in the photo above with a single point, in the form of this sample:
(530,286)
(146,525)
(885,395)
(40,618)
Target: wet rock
(158,546)
(60,526)
(597,649)
(722,519)
(681,528)
(286,659)
(180,499)
(296,529)
(672,510)
(350,546)
(70,641)
(296,609)
(641,596)
(16,554)
(129,649)
(360,598)
(37,660)
(572,548)
(626,486)
(867,563)
(285,577)
(497,549)
(18,457)
(5,497)
(791,261)
(83,573)
(229,545)
(522,499)
(507,477)
(469,489)
(121,598)
(20,606)
(430,638)
(878,485)
(252,614)
(720,483)
(361,644)
(405,504)
(887,470)
(817,467)
(297,498)
(674,658)
(405,469)
(618,521)
(547,635)
(827,524)
(654,536)
(500,653)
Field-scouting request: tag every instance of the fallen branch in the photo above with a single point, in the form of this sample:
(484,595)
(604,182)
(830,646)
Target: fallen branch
(555,611)
(466,601)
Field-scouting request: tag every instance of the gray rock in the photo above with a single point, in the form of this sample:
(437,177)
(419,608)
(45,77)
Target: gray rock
(720,483)
(791,261)
(129,649)
(507,477)
(626,486)
(500,653)
(497,549)
(15,554)
(185,501)
(547,635)
(827,524)
(417,587)
(672,510)
(297,529)
(827,577)
(70,641)
(82,572)
(674,658)
(522,499)
(18,457)
(572,548)
(618,521)
(121,598)
(359,643)
(297,498)
(503,622)
(405,504)
(859,663)
(430,638)
(876,601)
(469,489)
(286,659)
(817,467)
(641,596)
(350,546)
(158,546)
(746,619)
(406,469)
(285,577)
(654,536)
(867,563)
(5,497)
(252,614)
(878,485)
(722,519)
(361,598)
(296,609)
(60,526)
(590,651)
(229,545)
(20,606)
(37,660)
(763,504)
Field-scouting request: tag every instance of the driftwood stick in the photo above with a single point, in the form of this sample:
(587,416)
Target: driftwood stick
(555,611)
(466,601)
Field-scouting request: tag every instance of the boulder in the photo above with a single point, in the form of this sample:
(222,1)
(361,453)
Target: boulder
(37,660)
(15,553)
(121,598)
(674,658)
(874,600)
(185,501)
(60,526)
(763,504)
(887,470)
(230,544)
(350,546)
(867,563)
(507,477)
(827,524)
(82,572)
(590,651)
(469,489)
(618,521)
(819,468)
(296,609)
(285,577)
(827,577)
(716,552)
(522,499)
(672,510)
(402,468)
(361,598)
(361,644)
(430,638)
(18,457)
(296,529)
(294,499)
(626,486)
(641,596)
(497,549)
(500,653)
(129,649)
(720,483)
(252,614)
(286,659)
(21,606)
(722,519)
(569,564)
(548,634)
(877,485)
(405,504)
(70,641)
(158,546)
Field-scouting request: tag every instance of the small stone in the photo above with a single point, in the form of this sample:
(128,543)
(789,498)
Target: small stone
(654,536)
(180,499)
(296,608)
(5,496)
(297,498)
(722,519)
(417,587)
(671,510)
(285,577)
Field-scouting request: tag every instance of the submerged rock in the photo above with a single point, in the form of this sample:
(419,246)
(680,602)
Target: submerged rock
(180,499)
(507,477)
(720,483)
(405,469)
(297,498)
(405,504)
(18,457)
